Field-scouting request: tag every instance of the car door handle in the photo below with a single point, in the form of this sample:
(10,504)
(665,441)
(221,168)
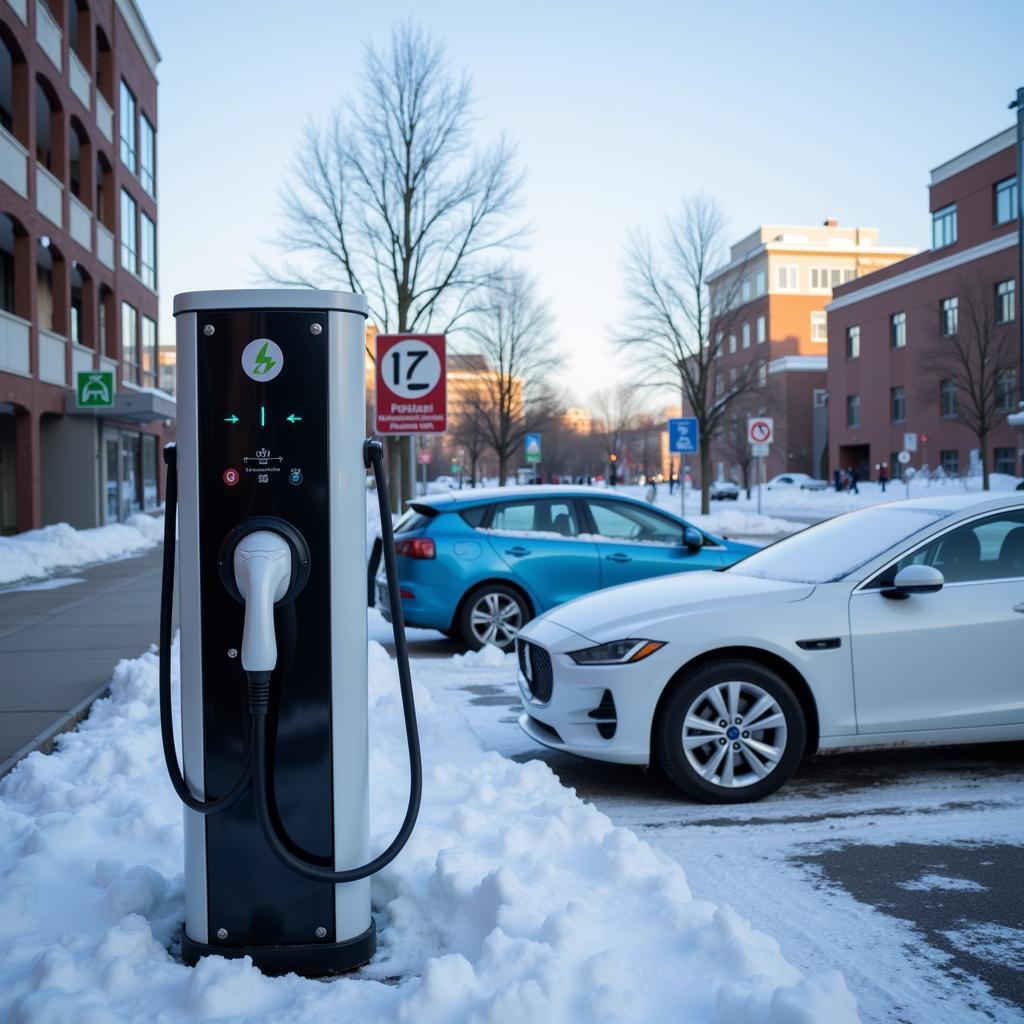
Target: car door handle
(618,557)
(517,552)
(1019,607)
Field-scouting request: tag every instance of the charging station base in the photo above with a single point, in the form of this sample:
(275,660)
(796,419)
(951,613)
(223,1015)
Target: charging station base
(315,960)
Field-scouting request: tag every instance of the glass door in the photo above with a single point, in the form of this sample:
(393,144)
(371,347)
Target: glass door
(111,478)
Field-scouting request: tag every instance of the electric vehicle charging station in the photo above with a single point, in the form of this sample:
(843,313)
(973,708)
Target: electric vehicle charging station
(269,476)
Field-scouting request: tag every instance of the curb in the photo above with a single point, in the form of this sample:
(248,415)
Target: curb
(46,740)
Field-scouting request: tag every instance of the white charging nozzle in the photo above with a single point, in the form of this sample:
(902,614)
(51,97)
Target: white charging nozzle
(263,572)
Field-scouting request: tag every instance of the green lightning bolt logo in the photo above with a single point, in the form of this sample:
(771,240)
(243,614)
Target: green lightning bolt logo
(263,364)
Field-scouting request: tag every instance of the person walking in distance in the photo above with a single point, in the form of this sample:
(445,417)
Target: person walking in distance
(883,475)
(854,477)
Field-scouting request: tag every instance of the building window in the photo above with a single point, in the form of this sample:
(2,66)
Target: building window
(127,119)
(149,352)
(950,462)
(947,399)
(746,335)
(147,252)
(1005,461)
(147,155)
(826,278)
(849,275)
(949,316)
(149,471)
(719,383)
(745,290)
(732,377)
(898,330)
(1005,200)
(762,330)
(1006,389)
(853,342)
(719,344)
(898,404)
(853,411)
(819,326)
(789,278)
(732,343)
(129,247)
(1006,301)
(762,374)
(820,398)
(129,343)
(895,466)
(944,226)
(759,283)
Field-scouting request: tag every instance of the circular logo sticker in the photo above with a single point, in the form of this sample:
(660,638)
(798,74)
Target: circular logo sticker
(262,359)
(411,369)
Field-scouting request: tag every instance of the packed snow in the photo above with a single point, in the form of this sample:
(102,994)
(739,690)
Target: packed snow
(513,901)
(35,554)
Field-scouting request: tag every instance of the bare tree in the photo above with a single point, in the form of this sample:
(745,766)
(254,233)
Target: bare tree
(468,432)
(615,410)
(388,197)
(972,357)
(511,328)
(678,322)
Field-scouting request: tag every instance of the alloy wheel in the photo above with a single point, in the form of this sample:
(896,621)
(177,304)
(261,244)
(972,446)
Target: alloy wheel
(734,734)
(495,619)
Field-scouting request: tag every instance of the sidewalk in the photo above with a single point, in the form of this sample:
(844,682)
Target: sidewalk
(58,647)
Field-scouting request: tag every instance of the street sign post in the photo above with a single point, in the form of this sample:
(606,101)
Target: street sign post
(760,434)
(411,384)
(424,457)
(95,389)
(533,449)
(909,443)
(683,439)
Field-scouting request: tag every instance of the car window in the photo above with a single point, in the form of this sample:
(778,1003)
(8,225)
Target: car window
(621,521)
(474,516)
(557,518)
(988,549)
(413,519)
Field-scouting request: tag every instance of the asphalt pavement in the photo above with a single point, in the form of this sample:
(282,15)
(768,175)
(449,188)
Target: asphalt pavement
(60,641)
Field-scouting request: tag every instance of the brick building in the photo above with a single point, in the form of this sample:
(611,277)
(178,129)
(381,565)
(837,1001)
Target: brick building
(777,283)
(893,336)
(78,216)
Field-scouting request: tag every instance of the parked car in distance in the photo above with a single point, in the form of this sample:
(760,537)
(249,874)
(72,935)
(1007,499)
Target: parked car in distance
(724,490)
(796,481)
(895,624)
(479,564)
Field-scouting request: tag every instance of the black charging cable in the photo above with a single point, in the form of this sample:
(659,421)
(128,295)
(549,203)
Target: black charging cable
(193,803)
(373,455)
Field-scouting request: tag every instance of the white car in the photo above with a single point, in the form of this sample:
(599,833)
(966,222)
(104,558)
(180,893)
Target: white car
(724,490)
(796,481)
(900,623)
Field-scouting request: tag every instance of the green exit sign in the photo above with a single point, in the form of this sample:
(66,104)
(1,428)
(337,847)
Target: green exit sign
(95,389)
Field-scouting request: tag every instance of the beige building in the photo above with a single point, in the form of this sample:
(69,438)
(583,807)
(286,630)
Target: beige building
(580,421)
(772,297)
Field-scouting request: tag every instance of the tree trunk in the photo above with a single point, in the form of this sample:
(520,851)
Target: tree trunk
(983,445)
(705,478)
(502,470)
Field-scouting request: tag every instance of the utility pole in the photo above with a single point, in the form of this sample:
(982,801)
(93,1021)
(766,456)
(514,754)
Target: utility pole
(1017,419)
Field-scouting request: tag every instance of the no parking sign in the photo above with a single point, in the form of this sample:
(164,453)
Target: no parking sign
(760,429)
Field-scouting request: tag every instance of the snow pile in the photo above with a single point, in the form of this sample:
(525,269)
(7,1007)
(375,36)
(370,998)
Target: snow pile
(731,523)
(513,901)
(36,553)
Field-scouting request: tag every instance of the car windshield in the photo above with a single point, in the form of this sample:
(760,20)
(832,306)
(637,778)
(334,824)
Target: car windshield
(835,548)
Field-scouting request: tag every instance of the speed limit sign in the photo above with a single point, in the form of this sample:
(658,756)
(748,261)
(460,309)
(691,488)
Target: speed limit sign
(760,429)
(411,384)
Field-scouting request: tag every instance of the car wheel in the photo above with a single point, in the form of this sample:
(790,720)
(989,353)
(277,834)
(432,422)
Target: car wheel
(732,731)
(493,614)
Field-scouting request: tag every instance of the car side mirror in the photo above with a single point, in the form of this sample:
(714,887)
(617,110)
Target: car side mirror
(914,579)
(693,539)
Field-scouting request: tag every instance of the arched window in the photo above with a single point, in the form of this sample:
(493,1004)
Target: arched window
(81,323)
(14,80)
(104,67)
(49,128)
(51,282)
(105,193)
(80,166)
(80,32)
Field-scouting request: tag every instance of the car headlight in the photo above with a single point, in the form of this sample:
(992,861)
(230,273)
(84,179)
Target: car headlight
(617,652)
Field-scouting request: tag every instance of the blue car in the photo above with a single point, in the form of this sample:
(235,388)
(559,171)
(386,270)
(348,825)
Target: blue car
(479,564)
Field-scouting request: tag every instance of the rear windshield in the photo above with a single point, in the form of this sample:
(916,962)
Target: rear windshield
(414,518)
(835,548)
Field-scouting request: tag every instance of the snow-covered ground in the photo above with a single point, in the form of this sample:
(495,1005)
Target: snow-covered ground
(514,900)
(35,554)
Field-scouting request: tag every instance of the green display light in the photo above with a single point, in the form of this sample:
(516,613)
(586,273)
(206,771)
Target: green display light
(263,415)
(292,418)
(232,419)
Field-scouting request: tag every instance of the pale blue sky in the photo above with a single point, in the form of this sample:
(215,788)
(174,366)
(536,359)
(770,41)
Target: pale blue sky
(787,112)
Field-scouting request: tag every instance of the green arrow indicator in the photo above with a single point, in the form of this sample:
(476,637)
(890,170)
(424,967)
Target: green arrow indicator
(231,419)
(263,413)
(293,418)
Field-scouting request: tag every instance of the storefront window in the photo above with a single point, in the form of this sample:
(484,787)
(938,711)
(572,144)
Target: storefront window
(149,464)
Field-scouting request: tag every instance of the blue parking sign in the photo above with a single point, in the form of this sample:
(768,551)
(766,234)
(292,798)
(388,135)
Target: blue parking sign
(683,438)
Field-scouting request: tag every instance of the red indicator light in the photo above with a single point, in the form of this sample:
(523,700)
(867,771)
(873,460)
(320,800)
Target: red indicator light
(230,477)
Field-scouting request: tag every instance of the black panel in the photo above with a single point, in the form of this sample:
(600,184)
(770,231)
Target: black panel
(265,464)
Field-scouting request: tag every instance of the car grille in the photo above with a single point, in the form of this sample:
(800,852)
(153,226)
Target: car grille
(535,664)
